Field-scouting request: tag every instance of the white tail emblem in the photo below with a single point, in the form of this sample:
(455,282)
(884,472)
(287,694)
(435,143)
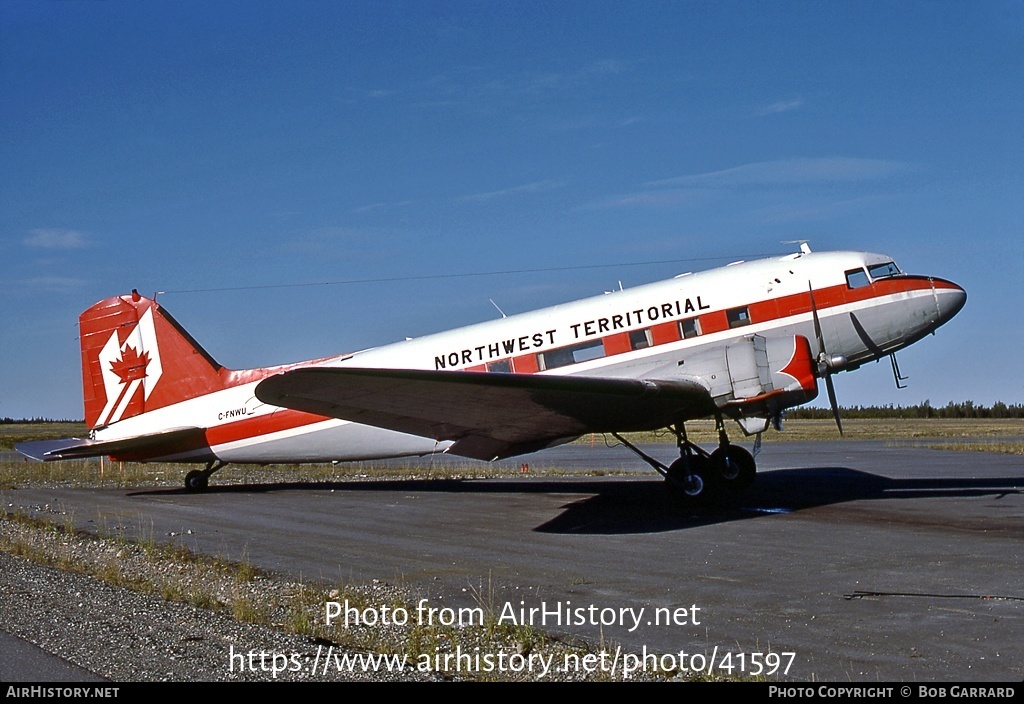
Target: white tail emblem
(127,366)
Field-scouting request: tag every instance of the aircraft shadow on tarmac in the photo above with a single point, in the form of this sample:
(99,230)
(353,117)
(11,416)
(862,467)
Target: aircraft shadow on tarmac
(619,506)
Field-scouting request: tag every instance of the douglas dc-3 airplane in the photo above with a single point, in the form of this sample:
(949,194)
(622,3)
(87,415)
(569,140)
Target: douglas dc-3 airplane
(741,342)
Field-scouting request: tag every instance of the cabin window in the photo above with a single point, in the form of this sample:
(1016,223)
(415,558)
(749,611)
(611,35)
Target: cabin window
(640,339)
(502,366)
(574,354)
(883,271)
(738,317)
(856,278)
(689,327)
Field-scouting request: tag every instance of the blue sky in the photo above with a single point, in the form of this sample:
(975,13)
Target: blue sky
(225,152)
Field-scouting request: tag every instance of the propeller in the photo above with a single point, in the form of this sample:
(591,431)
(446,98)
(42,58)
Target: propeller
(826,364)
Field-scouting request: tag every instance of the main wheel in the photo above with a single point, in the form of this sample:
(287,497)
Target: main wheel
(734,467)
(196,480)
(692,475)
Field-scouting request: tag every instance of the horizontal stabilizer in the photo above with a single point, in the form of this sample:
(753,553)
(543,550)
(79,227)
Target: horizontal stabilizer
(487,415)
(139,448)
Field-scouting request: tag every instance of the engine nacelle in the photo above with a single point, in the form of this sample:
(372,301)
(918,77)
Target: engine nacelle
(754,378)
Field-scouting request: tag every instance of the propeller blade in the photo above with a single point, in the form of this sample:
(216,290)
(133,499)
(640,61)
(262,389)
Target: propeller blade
(817,325)
(832,401)
(823,362)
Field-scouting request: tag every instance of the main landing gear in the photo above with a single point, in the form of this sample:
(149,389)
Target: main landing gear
(198,479)
(702,477)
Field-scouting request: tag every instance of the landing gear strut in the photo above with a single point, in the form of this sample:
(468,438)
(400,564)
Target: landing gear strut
(703,477)
(198,479)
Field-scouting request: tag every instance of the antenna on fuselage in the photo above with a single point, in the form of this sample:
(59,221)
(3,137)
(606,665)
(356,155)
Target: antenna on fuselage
(804,247)
(496,306)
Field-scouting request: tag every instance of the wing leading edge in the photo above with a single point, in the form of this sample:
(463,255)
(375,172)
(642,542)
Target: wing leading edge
(487,415)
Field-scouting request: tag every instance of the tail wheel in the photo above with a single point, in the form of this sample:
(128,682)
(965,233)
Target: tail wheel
(199,479)
(693,476)
(734,467)
(196,480)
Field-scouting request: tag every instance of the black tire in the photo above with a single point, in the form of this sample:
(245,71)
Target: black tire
(734,468)
(693,478)
(196,480)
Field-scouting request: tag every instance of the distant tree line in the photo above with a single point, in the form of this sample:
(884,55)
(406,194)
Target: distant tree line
(22,421)
(964,409)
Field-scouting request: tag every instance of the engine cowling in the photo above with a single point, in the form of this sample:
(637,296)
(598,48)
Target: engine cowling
(754,379)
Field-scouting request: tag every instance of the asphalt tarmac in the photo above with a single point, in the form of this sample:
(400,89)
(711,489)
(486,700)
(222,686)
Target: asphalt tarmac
(848,561)
(24,662)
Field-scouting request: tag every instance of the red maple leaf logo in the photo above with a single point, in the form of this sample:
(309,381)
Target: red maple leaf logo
(131,365)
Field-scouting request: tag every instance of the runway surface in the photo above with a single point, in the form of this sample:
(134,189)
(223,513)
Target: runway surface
(865,561)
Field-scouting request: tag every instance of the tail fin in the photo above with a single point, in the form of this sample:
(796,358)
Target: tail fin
(137,358)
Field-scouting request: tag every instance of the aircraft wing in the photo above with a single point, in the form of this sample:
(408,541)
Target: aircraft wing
(487,415)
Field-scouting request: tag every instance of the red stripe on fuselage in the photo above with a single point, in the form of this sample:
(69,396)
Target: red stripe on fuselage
(765,311)
(248,428)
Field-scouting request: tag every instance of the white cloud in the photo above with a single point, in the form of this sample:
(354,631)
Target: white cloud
(48,238)
(473,89)
(345,243)
(382,206)
(781,106)
(790,172)
(810,211)
(797,174)
(607,66)
(59,284)
(535,187)
(664,198)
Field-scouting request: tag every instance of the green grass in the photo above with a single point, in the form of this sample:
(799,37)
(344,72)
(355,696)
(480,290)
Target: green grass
(13,433)
(1009,448)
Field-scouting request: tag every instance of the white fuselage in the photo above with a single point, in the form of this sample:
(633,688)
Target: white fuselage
(628,333)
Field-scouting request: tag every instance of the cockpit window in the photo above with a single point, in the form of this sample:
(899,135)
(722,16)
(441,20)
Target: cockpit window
(856,278)
(883,271)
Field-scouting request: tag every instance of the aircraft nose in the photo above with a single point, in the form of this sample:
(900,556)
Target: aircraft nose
(949,298)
